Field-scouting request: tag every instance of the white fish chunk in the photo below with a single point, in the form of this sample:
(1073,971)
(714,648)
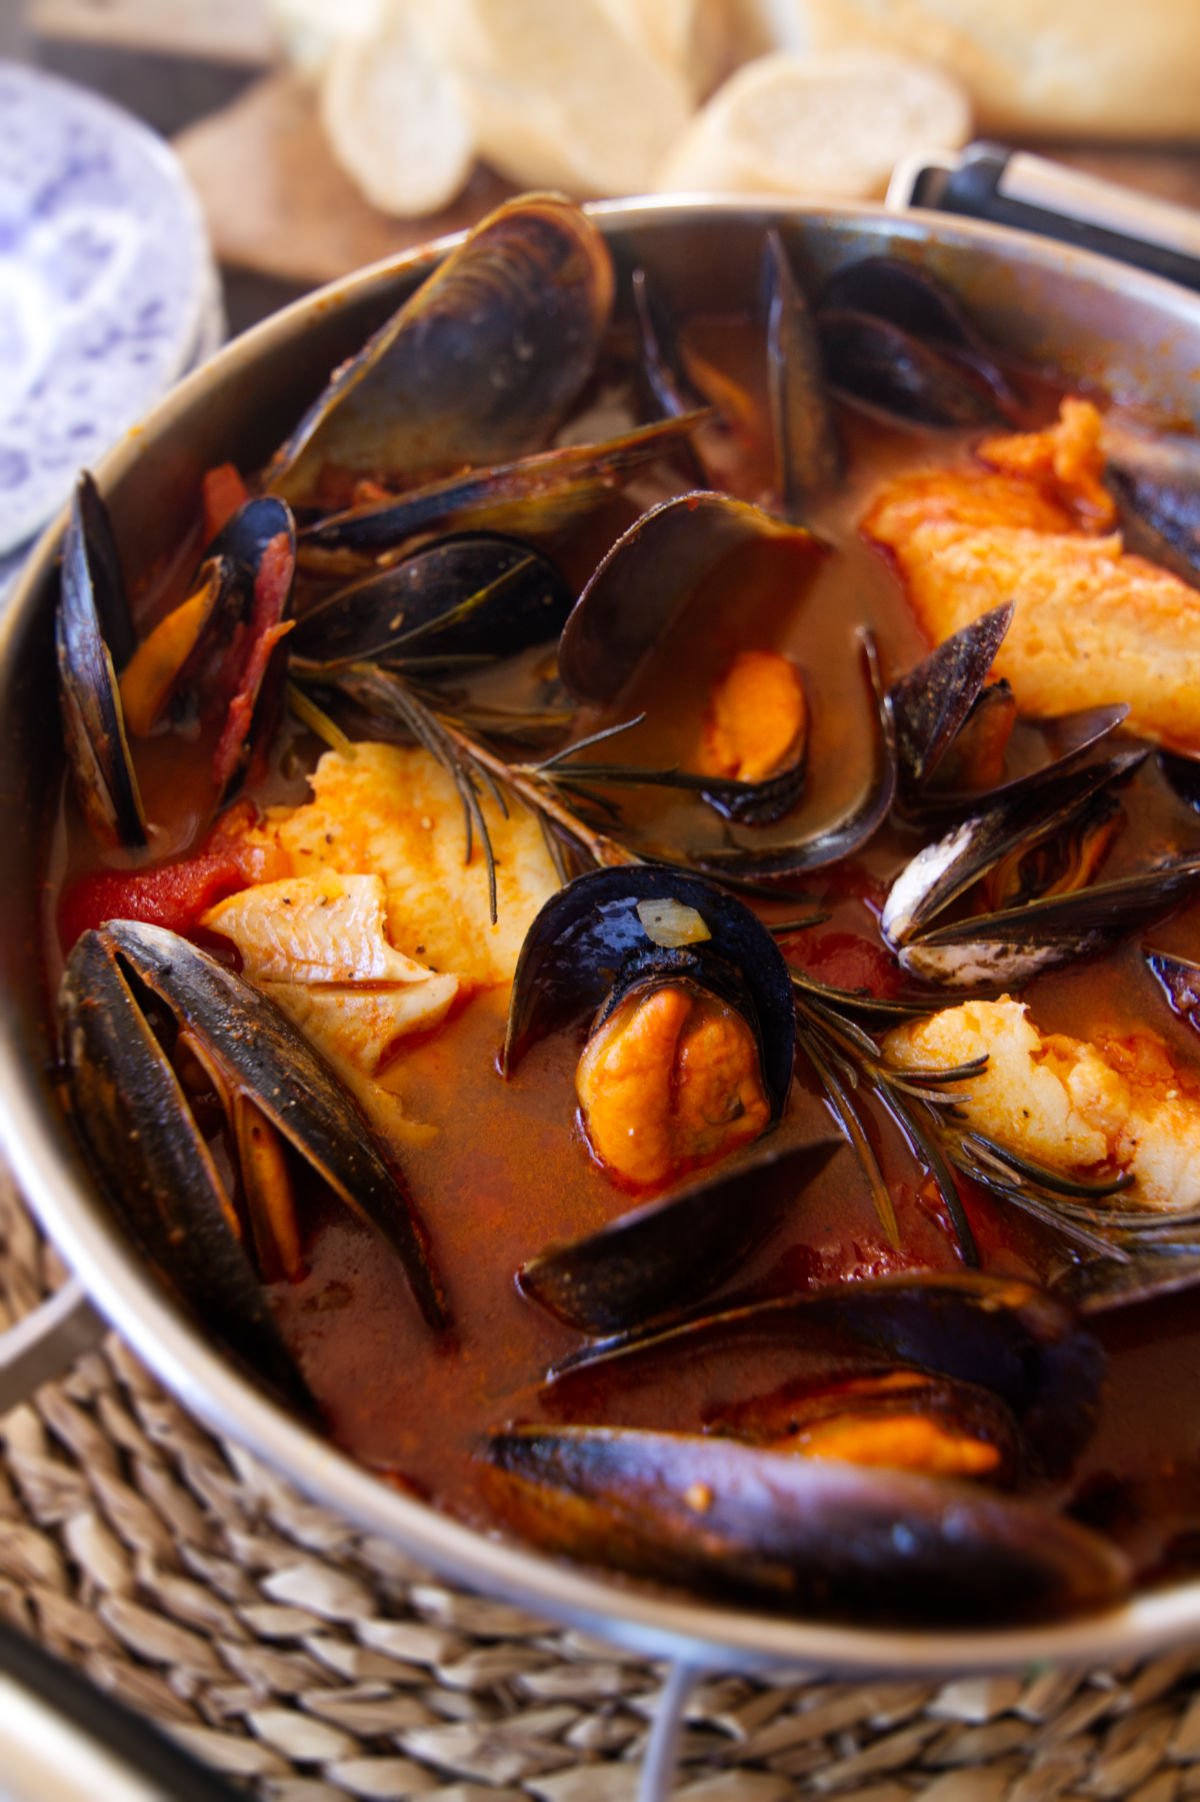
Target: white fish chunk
(1120,1104)
(318,945)
(392,811)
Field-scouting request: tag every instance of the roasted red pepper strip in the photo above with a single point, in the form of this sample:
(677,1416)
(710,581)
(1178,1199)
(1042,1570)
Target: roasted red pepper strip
(174,895)
(224,493)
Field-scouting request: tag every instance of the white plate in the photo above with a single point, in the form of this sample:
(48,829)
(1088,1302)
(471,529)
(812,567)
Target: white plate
(105,285)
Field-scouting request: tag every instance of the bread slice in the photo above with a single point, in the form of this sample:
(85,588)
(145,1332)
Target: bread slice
(560,93)
(691,38)
(829,127)
(394,119)
(1070,69)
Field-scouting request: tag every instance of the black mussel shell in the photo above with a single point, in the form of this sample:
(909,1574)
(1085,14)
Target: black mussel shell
(258,599)
(538,494)
(1179,981)
(878,366)
(810,1533)
(259,1053)
(946,869)
(931,703)
(848,1415)
(1000,1334)
(918,304)
(1157,486)
(808,453)
(128,1107)
(742,862)
(92,604)
(1183,774)
(661,1257)
(670,392)
(643,586)
(1013,945)
(475,593)
(478,366)
(589,941)
(90,520)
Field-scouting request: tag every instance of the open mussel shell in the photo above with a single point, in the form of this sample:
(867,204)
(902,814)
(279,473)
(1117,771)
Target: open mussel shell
(536,495)
(122,1079)
(811,1533)
(884,369)
(1179,980)
(808,452)
(643,587)
(661,1257)
(479,365)
(999,1334)
(258,544)
(742,862)
(1015,944)
(923,308)
(1157,485)
(92,606)
(131,1113)
(931,703)
(590,942)
(944,870)
(478,593)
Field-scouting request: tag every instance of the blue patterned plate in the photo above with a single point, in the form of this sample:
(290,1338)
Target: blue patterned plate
(105,284)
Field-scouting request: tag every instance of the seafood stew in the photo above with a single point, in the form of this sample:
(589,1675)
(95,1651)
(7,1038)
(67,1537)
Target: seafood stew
(774,875)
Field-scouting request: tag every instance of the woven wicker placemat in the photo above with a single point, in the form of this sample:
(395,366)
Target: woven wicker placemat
(314,1663)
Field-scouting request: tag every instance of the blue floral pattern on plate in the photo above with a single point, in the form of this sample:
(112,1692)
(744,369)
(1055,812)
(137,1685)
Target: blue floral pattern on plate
(105,282)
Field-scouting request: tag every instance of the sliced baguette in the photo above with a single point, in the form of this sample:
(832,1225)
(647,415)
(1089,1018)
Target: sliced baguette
(394,119)
(558,92)
(691,38)
(828,126)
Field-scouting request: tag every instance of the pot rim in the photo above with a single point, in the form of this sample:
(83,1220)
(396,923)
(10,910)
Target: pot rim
(702,1634)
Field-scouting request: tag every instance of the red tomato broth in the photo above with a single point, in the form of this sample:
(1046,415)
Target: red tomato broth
(508,1171)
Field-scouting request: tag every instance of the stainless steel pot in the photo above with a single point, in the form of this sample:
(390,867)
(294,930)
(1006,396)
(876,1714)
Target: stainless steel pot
(1095,321)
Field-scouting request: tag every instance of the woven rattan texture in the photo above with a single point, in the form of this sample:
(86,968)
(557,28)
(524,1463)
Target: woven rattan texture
(314,1664)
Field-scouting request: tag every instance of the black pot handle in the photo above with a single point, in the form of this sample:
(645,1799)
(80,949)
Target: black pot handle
(1013,187)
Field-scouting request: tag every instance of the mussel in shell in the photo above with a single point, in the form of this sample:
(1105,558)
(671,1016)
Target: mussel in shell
(1001,1335)
(817,1534)
(1072,919)
(808,452)
(540,494)
(850,1463)
(665,1255)
(93,634)
(896,340)
(219,655)
(525,298)
(137,1003)
(476,592)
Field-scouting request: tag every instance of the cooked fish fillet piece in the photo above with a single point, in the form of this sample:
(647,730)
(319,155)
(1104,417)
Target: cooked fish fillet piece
(318,946)
(392,811)
(1120,1103)
(1093,625)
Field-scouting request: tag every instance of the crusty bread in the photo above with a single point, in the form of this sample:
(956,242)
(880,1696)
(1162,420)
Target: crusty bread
(692,38)
(827,126)
(560,93)
(394,119)
(310,30)
(1044,67)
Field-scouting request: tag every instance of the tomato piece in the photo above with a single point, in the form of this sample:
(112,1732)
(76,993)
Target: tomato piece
(224,493)
(174,895)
